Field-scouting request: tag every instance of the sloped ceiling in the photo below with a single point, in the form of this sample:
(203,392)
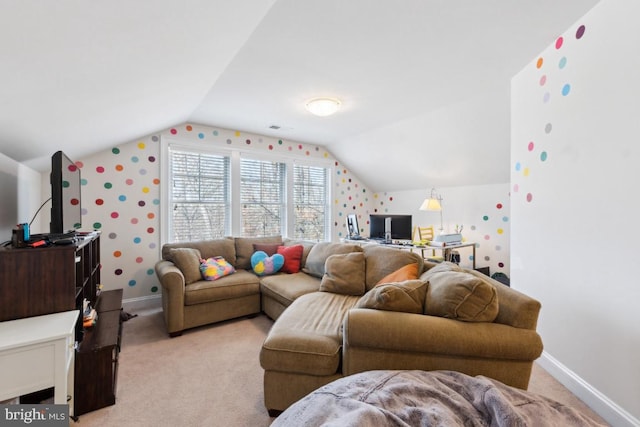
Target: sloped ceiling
(424,83)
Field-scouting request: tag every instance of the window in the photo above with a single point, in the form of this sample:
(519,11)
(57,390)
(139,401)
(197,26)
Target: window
(199,205)
(310,202)
(227,192)
(262,197)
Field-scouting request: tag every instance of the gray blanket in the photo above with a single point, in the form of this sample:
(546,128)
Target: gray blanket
(421,398)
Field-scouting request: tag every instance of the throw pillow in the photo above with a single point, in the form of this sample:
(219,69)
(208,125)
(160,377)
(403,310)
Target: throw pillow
(215,267)
(315,264)
(462,296)
(344,274)
(188,261)
(268,248)
(406,296)
(263,265)
(408,272)
(292,257)
(244,249)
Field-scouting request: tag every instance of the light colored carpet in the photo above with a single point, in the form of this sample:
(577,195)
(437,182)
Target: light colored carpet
(211,376)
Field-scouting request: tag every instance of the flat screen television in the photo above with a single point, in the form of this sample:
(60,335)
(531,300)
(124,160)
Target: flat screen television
(401,227)
(65,195)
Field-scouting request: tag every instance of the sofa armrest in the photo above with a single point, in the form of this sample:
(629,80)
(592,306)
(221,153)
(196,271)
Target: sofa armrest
(379,332)
(173,285)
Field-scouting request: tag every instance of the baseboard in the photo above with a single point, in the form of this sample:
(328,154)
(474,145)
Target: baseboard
(141,304)
(601,404)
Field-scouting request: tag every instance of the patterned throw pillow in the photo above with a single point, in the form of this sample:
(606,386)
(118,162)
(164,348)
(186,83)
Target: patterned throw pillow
(215,268)
(263,265)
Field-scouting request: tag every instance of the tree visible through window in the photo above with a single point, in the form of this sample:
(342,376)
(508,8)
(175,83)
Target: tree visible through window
(262,197)
(200,197)
(310,202)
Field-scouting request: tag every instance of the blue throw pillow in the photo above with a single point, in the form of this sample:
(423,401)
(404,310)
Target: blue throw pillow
(263,265)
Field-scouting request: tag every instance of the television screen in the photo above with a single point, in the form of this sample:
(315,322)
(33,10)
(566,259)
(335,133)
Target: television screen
(401,226)
(65,195)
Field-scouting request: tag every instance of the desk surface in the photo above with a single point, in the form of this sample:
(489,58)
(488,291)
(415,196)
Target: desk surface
(36,329)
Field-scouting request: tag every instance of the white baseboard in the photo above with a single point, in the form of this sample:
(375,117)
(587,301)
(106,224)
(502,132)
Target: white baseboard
(141,304)
(601,404)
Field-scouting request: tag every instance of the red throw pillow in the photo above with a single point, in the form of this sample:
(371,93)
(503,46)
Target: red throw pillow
(292,258)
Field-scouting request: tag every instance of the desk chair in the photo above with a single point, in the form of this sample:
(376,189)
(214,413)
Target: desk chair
(426,235)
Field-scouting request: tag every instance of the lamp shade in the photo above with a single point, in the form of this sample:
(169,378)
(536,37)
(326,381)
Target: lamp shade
(431,205)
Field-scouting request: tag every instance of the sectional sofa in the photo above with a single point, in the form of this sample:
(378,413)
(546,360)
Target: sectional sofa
(351,308)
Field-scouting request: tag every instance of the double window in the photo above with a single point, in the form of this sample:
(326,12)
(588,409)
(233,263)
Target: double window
(216,194)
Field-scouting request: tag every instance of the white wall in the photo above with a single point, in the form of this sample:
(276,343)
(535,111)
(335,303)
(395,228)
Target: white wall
(574,240)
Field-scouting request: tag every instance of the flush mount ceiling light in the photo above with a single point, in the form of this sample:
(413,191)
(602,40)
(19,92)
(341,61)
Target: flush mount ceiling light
(323,106)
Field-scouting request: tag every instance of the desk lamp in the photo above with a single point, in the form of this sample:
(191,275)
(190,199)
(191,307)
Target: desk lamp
(433,203)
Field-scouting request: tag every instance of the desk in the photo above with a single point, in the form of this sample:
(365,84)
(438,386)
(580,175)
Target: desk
(446,250)
(37,353)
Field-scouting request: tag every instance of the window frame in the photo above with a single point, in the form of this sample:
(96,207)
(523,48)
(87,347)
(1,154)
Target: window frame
(235,154)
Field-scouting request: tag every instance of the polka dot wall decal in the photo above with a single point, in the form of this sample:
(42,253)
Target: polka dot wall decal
(516,187)
(498,247)
(543,156)
(539,62)
(501,264)
(525,172)
(487,258)
(118,271)
(548,127)
(115,215)
(117,254)
(152,245)
(100,169)
(499,206)
(128,181)
(132,282)
(215,133)
(99,202)
(150,272)
(189,128)
(201,135)
(137,240)
(237,133)
(142,172)
(529,197)
(543,80)
(546,97)
(141,145)
(83,181)
(270,147)
(141,203)
(485,218)
(150,230)
(122,197)
(135,159)
(112,235)
(154,289)
(228,141)
(139,259)
(119,168)
(156,202)
(580,32)
(505,219)
(563,62)
(151,159)
(108,185)
(530,146)
(248,141)
(487,237)
(279,142)
(115,150)
(518,166)
(154,138)
(173,131)
(156,181)
(151,215)
(499,231)
(559,41)
(566,89)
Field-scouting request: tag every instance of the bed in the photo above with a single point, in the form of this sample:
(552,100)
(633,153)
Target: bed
(426,398)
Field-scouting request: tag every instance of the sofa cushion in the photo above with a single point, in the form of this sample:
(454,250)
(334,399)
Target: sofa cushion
(462,296)
(239,284)
(307,337)
(408,272)
(208,248)
(215,268)
(321,251)
(268,248)
(244,249)
(286,288)
(292,258)
(188,261)
(407,296)
(382,260)
(344,274)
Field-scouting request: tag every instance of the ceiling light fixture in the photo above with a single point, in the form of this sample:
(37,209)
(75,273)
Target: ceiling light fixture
(323,106)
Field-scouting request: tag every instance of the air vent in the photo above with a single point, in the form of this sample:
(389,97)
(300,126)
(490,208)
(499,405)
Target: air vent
(274,127)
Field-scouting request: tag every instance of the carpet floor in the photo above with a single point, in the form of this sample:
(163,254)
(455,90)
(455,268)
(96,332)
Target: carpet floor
(211,376)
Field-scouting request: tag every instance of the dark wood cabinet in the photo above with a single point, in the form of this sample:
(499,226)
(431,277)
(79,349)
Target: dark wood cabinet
(37,281)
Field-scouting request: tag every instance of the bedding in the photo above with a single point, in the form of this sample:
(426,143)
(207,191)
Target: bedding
(426,398)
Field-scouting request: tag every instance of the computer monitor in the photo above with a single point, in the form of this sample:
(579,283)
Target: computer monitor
(399,227)
(352,226)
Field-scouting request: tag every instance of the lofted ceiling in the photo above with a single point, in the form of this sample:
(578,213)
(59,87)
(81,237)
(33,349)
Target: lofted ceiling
(424,84)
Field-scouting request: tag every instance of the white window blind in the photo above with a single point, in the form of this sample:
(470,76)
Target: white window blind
(200,198)
(262,197)
(310,202)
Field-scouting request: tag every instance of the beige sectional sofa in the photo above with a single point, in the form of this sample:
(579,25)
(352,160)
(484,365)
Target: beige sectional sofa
(350,310)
